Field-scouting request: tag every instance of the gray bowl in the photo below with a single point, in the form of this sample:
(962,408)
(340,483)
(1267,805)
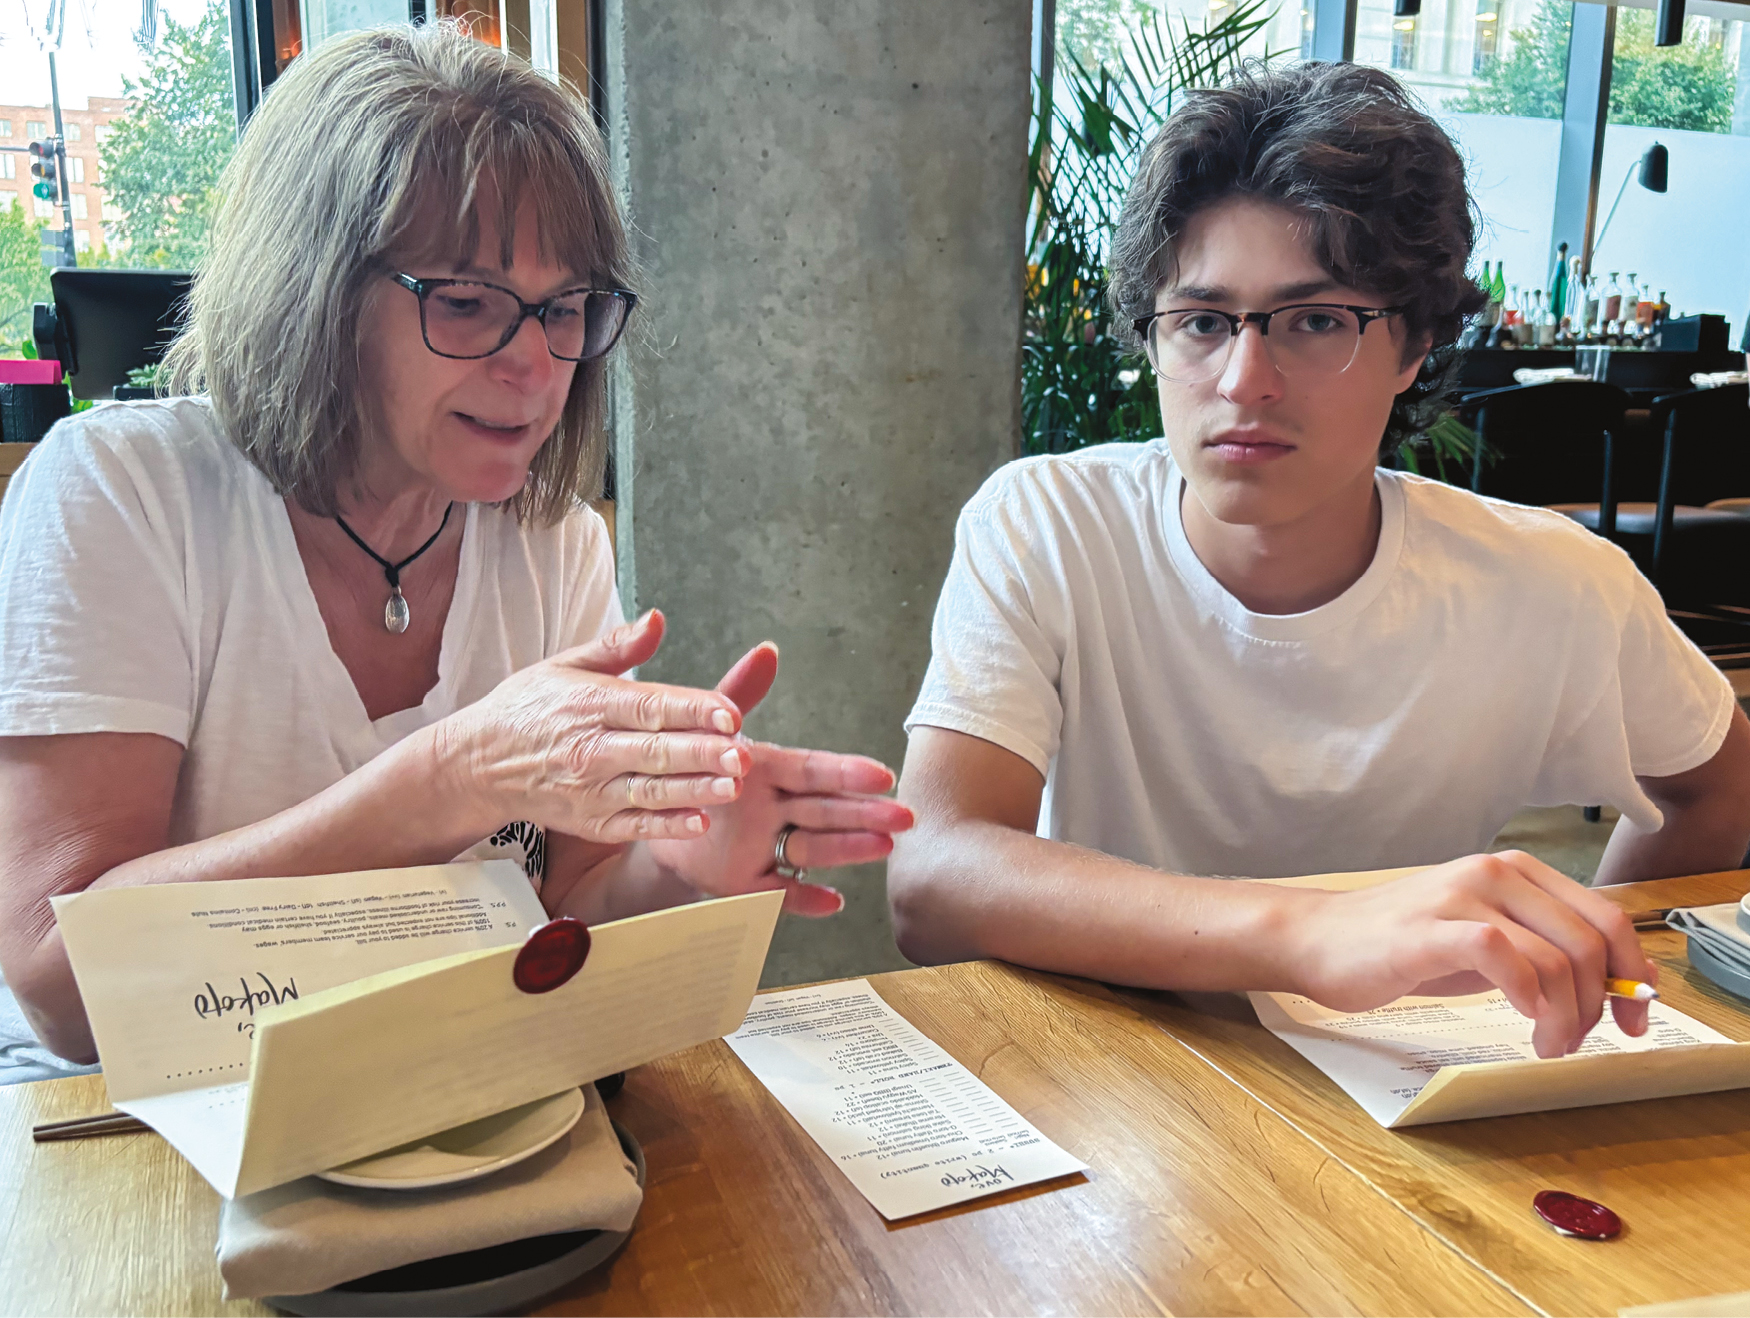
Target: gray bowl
(482,1281)
(1726,976)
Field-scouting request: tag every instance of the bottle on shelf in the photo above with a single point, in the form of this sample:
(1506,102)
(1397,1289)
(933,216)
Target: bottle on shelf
(1498,291)
(1613,301)
(1589,316)
(1558,284)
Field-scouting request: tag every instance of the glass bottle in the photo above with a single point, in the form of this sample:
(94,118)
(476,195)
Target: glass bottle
(1498,291)
(1613,301)
(1558,284)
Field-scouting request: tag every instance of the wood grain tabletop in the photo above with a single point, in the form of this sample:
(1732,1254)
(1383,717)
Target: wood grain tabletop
(1676,1170)
(1226,1176)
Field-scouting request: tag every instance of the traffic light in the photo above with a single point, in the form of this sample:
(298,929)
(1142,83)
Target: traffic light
(42,169)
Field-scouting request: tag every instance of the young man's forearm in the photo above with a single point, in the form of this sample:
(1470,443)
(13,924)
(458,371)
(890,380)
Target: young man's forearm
(975,889)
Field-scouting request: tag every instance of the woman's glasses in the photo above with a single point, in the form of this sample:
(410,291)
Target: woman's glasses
(1193,345)
(465,319)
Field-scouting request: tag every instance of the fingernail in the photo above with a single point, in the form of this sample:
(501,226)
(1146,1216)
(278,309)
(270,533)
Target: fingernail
(644,617)
(731,761)
(723,720)
(723,787)
(695,823)
(841,905)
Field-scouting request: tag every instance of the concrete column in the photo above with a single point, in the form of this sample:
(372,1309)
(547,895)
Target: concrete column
(829,200)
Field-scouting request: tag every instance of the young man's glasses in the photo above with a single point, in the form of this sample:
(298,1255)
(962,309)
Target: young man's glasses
(1315,338)
(464,319)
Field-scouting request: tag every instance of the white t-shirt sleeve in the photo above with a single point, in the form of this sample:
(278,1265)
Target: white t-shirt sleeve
(590,599)
(1663,709)
(95,625)
(997,642)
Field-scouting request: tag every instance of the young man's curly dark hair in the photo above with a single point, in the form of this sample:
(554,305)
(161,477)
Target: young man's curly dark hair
(1379,182)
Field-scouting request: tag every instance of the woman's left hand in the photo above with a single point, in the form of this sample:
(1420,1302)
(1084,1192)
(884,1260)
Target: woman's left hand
(833,801)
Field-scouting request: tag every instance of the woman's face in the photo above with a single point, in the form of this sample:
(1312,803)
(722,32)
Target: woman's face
(469,428)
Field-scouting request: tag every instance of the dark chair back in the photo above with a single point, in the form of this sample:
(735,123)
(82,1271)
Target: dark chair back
(1706,453)
(1550,443)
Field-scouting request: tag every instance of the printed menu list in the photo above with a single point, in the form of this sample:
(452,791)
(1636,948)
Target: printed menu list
(912,1128)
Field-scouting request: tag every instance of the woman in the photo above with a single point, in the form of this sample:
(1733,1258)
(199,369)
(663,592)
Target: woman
(347,609)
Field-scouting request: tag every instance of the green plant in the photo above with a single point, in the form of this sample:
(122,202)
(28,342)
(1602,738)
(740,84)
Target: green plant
(1080,382)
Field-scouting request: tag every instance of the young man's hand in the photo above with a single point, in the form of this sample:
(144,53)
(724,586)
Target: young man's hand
(1505,920)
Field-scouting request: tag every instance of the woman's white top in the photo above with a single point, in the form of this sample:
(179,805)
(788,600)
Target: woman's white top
(1491,657)
(149,582)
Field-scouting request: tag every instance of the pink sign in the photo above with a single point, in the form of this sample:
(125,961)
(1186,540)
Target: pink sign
(14,371)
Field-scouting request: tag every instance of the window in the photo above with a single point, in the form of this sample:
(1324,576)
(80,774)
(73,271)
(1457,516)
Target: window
(45,210)
(7,201)
(103,132)
(76,168)
(1403,43)
(73,131)
(79,206)
(8,165)
(5,128)
(81,240)
(35,128)
(1694,100)
(111,211)
(1484,36)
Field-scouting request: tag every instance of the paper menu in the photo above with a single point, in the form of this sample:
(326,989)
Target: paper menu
(1422,1059)
(910,1127)
(400,1042)
(174,976)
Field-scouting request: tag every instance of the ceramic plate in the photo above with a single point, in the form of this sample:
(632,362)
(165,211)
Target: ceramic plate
(1744,913)
(466,1152)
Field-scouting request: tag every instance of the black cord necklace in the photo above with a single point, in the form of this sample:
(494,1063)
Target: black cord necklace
(396,614)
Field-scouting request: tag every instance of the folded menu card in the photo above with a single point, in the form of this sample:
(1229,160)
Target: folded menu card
(271,1028)
(1421,1060)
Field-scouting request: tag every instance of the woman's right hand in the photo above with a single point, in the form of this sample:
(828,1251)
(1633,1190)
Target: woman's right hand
(570,745)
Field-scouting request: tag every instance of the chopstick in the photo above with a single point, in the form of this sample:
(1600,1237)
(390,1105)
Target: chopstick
(78,1128)
(1653,919)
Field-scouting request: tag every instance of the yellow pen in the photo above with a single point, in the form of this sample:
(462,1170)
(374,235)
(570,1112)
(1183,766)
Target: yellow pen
(1632,989)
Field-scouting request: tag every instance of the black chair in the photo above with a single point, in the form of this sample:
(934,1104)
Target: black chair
(1547,444)
(1698,556)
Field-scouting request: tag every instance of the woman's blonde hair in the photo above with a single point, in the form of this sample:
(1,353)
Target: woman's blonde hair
(367,155)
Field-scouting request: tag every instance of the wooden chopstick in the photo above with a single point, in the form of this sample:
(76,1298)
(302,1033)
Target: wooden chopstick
(1654,919)
(77,1128)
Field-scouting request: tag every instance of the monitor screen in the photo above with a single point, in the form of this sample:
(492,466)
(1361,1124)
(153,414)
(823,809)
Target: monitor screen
(113,321)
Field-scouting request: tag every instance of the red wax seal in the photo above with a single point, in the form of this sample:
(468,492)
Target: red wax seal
(554,953)
(1574,1216)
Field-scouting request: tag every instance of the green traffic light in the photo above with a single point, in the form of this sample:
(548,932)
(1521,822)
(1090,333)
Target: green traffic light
(46,191)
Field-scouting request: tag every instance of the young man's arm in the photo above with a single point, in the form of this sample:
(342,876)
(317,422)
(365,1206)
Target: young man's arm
(972,880)
(1707,819)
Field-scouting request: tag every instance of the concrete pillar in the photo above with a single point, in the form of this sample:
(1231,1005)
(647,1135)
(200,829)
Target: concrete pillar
(829,202)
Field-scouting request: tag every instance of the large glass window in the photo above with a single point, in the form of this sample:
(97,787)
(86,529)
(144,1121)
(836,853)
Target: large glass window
(1494,73)
(1694,100)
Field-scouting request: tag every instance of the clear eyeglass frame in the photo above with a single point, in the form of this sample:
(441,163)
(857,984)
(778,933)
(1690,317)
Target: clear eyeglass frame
(623,299)
(1238,320)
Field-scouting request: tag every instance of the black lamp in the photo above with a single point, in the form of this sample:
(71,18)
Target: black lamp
(1410,8)
(1654,166)
(1669,29)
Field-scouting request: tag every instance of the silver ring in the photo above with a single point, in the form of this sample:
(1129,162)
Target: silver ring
(785,869)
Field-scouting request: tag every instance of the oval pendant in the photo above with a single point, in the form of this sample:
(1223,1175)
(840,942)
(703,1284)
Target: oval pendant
(396,614)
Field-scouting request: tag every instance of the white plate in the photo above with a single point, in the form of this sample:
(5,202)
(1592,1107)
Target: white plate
(466,1152)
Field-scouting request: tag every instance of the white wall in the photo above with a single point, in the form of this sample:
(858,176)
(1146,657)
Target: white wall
(1511,165)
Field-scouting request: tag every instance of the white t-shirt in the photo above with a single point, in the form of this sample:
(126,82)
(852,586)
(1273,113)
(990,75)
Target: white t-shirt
(149,582)
(1491,657)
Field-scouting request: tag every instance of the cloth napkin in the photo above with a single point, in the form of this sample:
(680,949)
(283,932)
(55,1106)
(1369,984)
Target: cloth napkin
(1717,379)
(1717,929)
(311,1234)
(1547,375)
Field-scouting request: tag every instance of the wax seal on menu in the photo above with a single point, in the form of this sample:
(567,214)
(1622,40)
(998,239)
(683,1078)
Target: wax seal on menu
(554,953)
(1574,1216)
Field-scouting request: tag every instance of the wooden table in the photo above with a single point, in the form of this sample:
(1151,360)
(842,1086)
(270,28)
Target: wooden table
(1227,1176)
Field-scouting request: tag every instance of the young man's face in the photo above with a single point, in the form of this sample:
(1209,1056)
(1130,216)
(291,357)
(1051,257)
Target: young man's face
(1260,445)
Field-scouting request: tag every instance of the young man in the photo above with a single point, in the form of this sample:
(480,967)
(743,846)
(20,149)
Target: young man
(1241,650)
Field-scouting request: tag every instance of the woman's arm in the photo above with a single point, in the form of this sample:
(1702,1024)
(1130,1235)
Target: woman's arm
(561,744)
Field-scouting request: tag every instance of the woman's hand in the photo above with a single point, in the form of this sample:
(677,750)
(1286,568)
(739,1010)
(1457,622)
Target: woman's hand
(1507,921)
(573,747)
(832,801)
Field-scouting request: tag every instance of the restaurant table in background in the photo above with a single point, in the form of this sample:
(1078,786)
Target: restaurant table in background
(1226,1175)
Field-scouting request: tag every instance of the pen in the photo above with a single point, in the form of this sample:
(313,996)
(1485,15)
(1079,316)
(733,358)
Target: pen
(1631,988)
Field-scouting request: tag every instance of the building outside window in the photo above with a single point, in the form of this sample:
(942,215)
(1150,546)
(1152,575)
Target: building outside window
(1403,43)
(73,130)
(79,206)
(8,165)
(5,128)
(7,201)
(1485,36)
(81,240)
(76,168)
(35,129)
(45,210)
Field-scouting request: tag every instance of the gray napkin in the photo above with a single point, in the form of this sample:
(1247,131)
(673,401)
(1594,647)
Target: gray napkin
(311,1234)
(1717,929)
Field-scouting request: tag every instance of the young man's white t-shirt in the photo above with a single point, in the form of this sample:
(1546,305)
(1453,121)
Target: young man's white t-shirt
(1491,657)
(150,582)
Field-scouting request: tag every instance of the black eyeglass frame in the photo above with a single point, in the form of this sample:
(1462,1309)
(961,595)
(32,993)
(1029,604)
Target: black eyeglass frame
(423,288)
(1238,320)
